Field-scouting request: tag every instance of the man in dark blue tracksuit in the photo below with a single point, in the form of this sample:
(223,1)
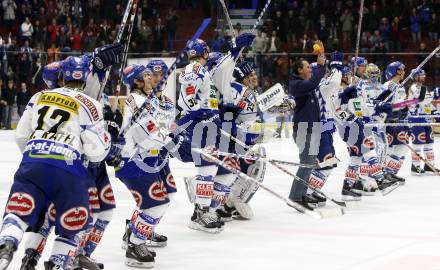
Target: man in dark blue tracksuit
(303,86)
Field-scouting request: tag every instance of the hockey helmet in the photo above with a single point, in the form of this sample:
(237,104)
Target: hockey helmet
(132,72)
(358,62)
(197,48)
(213,59)
(157,66)
(372,72)
(75,69)
(417,72)
(242,70)
(346,70)
(51,74)
(392,69)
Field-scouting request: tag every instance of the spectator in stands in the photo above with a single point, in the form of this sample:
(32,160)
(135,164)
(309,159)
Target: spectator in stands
(26,49)
(422,53)
(52,30)
(24,68)
(63,41)
(8,96)
(381,58)
(90,42)
(76,41)
(279,25)
(385,31)
(305,16)
(273,43)
(347,27)
(415,26)
(433,27)
(23,98)
(9,8)
(4,46)
(171,26)
(104,31)
(2,103)
(293,25)
(159,35)
(26,29)
(259,45)
(69,28)
(78,12)
(91,27)
(396,30)
(322,29)
(53,53)
(145,34)
(39,34)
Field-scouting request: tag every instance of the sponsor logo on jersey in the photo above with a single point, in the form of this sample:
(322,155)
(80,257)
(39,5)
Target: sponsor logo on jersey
(106,195)
(20,203)
(316,182)
(131,103)
(89,104)
(95,236)
(190,90)
(395,165)
(45,149)
(422,137)
(351,174)
(59,137)
(220,199)
(170,181)
(242,104)
(157,191)
(93,198)
(151,127)
(54,99)
(204,190)
(390,138)
(137,197)
(52,212)
(402,137)
(75,218)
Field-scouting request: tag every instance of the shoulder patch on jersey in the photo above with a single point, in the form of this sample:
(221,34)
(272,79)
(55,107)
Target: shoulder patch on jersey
(196,68)
(62,101)
(89,104)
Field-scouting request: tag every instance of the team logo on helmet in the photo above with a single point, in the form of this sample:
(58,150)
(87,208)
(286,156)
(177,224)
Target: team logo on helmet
(21,204)
(107,195)
(77,75)
(170,180)
(157,191)
(75,218)
(157,68)
(52,212)
(137,197)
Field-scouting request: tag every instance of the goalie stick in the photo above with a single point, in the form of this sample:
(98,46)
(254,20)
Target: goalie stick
(295,205)
(436,171)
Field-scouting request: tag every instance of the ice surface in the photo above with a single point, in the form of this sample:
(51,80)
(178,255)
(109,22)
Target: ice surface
(400,231)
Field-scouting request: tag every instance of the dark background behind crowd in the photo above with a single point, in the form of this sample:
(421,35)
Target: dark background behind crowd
(36,32)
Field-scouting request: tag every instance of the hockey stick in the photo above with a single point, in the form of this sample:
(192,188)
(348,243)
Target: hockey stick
(228,18)
(128,9)
(358,39)
(403,124)
(240,174)
(437,171)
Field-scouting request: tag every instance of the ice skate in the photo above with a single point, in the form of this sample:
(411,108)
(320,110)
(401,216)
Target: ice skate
(417,170)
(7,249)
(203,220)
(30,259)
(138,256)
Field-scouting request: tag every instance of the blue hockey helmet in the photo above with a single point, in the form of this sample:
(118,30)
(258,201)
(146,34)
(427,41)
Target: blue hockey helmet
(392,69)
(358,62)
(213,59)
(346,70)
(242,70)
(51,74)
(132,72)
(417,72)
(75,69)
(157,66)
(197,48)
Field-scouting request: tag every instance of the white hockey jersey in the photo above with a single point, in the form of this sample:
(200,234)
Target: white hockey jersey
(197,90)
(63,127)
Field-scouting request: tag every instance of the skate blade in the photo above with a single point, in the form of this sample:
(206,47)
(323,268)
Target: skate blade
(330,211)
(346,198)
(226,219)
(369,193)
(389,189)
(198,227)
(134,263)
(156,244)
(416,174)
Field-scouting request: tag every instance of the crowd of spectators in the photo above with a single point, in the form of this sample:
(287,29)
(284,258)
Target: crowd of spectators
(36,32)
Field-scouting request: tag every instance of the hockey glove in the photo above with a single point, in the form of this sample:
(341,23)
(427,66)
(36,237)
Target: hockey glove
(106,56)
(337,60)
(243,40)
(179,146)
(114,155)
(383,107)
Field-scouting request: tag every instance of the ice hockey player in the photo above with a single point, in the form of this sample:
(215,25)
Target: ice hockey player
(58,129)
(422,136)
(396,136)
(139,167)
(101,197)
(198,99)
(164,107)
